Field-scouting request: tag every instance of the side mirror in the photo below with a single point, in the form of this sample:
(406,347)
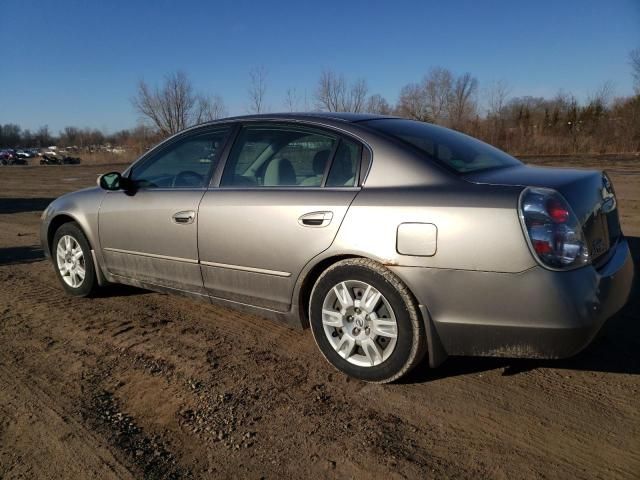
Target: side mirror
(112,181)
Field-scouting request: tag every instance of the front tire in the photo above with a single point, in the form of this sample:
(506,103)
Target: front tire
(366,322)
(73,262)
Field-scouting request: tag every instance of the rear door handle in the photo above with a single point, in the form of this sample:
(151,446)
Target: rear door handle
(184,218)
(315,219)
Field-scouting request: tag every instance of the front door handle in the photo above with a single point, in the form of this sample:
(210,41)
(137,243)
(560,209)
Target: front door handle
(184,218)
(315,219)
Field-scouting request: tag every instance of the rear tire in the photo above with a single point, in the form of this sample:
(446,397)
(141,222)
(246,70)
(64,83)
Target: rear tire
(366,322)
(73,262)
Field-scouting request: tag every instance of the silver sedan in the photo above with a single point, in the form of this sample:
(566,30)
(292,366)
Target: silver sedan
(391,239)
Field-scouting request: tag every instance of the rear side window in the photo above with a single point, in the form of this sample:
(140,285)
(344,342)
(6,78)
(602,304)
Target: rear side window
(274,156)
(456,151)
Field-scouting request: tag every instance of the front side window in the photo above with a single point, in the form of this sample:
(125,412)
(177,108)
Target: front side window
(272,156)
(187,163)
(455,150)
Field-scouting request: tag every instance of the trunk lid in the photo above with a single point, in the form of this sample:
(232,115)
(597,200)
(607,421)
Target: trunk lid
(589,192)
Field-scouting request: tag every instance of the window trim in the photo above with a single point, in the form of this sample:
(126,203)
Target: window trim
(164,146)
(327,167)
(338,134)
(365,163)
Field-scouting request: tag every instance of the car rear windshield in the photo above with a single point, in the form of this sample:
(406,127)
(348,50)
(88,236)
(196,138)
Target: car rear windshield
(455,150)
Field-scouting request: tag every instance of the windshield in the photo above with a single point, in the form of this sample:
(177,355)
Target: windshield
(453,149)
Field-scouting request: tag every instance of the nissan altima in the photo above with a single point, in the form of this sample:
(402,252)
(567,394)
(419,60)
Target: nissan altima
(393,240)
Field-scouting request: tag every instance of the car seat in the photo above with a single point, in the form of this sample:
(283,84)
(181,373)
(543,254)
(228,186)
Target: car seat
(319,164)
(279,172)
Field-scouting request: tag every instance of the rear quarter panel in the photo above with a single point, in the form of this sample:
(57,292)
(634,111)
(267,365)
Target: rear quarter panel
(477,227)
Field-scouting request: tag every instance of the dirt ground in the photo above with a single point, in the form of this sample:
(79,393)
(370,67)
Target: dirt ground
(136,384)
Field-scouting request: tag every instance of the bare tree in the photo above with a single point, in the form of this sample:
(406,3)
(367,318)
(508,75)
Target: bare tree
(603,95)
(291,100)
(378,104)
(257,89)
(413,103)
(210,108)
(438,85)
(335,95)
(43,136)
(496,95)
(634,60)
(10,135)
(357,96)
(331,91)
(430,100)
(462,105)
(70,136)
(169,108)
(175,106)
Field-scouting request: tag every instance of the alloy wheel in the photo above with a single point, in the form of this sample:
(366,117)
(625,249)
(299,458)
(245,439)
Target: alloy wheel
(70,260)
(359,323)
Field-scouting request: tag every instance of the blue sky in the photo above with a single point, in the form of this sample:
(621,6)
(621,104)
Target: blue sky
(68,62)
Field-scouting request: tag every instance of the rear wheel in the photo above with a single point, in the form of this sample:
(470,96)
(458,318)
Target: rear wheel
(365,321)
(73,262)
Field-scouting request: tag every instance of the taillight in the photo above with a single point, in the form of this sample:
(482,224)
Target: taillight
(552,229)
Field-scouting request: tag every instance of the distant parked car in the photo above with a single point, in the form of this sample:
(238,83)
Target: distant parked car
(49,159)
(24,154)
(8,157)
(70,160)
(390,238)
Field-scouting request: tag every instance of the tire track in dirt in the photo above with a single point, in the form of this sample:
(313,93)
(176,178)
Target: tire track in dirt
(78,452)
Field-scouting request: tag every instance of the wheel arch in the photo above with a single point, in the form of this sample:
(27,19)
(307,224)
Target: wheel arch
(309,280)
(56,222)
(435,351)
(63,218)
(312,274)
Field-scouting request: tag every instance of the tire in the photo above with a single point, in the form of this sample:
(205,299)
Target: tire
(359,340)
(71,235)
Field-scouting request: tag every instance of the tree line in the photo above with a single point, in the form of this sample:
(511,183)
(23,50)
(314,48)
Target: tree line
(602,123)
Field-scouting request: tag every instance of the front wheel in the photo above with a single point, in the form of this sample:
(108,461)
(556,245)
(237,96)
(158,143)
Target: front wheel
(72,260)
(365,321)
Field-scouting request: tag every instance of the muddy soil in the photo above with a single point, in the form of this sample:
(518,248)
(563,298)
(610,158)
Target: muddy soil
(134,384)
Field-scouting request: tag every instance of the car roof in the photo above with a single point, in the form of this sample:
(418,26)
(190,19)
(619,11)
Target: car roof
(341,116)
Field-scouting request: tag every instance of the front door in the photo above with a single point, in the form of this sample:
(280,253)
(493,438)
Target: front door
(282,197)
(150,234)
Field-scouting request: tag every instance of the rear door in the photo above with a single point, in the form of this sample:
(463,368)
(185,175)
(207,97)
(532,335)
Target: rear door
(283,194)
(150,234)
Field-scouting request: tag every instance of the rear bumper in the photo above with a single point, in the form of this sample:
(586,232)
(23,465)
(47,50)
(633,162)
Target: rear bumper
(533,314)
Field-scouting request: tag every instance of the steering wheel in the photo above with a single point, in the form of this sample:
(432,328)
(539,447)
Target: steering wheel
(188,178)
